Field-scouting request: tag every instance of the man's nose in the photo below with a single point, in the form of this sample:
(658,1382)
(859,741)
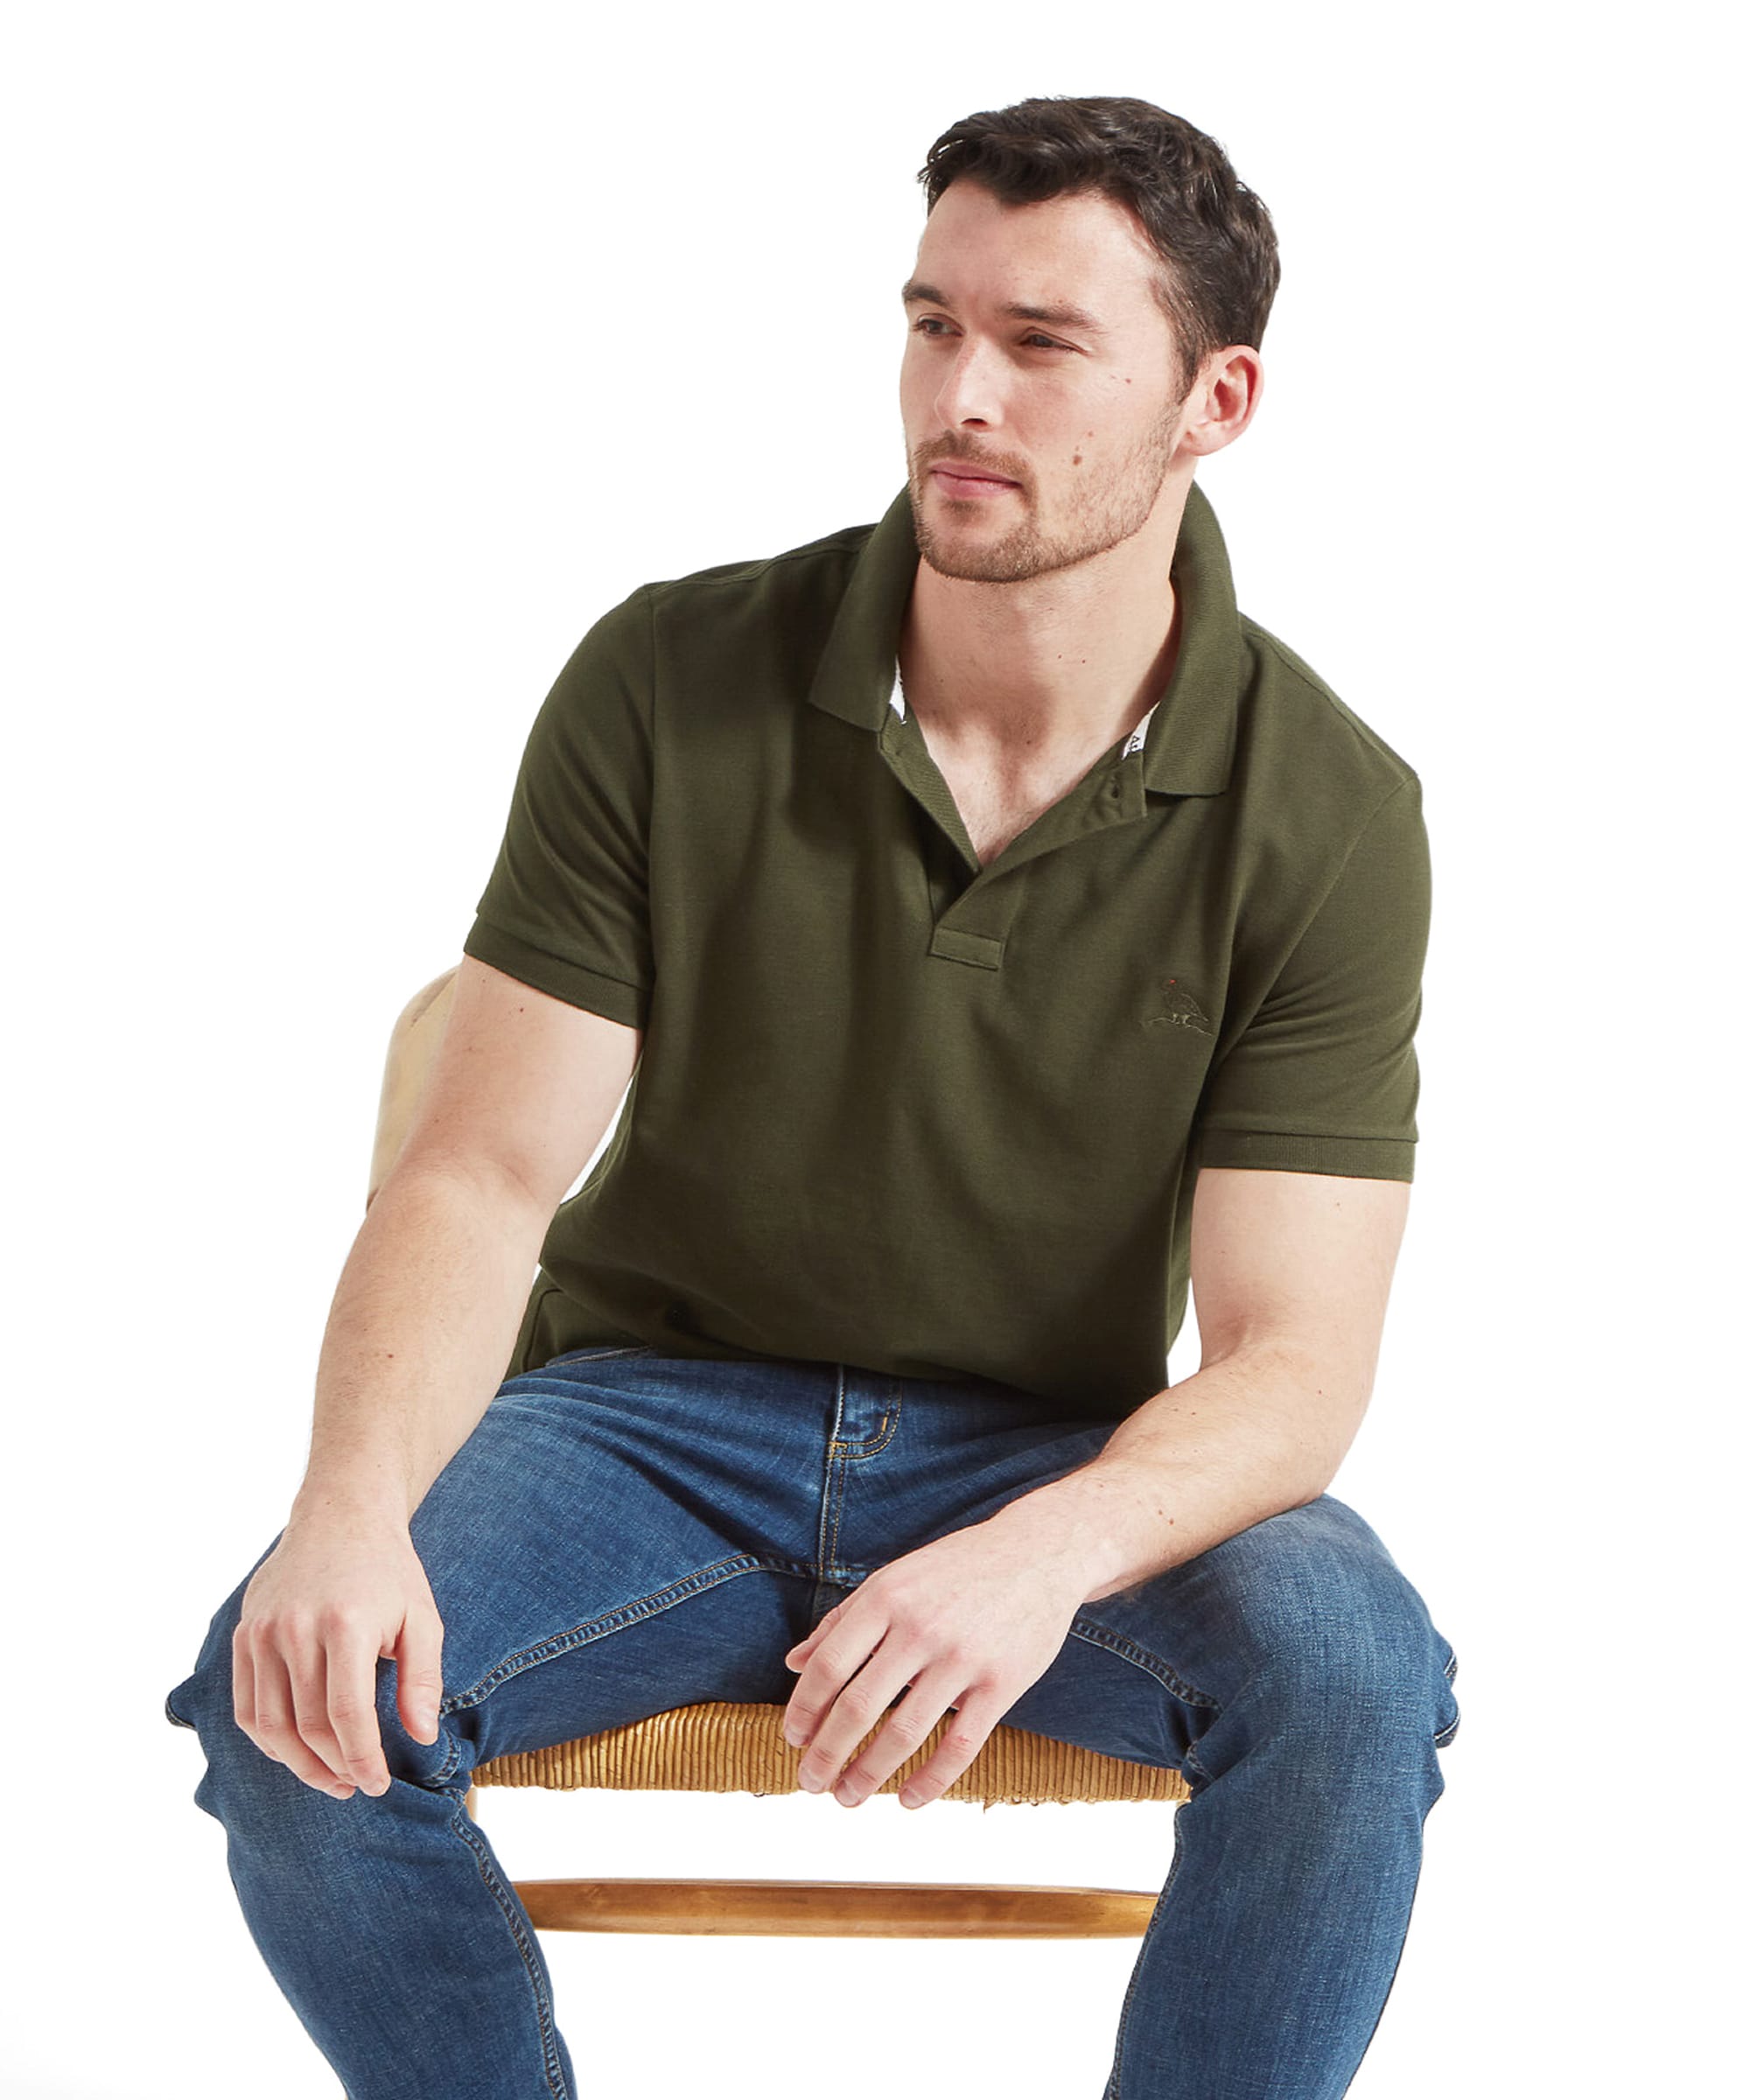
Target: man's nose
(971,391)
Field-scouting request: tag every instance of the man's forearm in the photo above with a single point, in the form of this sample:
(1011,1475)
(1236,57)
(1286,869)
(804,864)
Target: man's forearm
(421,1331)
(1240,1440)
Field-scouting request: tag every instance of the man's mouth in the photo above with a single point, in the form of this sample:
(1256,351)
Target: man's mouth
(973,486)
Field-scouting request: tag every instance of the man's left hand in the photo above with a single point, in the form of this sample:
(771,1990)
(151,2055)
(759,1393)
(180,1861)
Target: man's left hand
(970,1621)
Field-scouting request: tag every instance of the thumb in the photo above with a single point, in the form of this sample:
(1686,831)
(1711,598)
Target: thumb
(418,1654)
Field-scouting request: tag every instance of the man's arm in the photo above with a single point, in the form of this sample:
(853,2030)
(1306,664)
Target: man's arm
(422,1327)
(1290,1275)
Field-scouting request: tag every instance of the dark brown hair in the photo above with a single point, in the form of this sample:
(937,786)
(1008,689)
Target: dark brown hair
(1212,236)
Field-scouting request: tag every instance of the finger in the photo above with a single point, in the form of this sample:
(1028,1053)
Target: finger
(276,1732)
(977,1717)
(800,1653)
(846,1647)
(242,1684)
(307,1662)
(905,1727)
(351,1724)
(419,1658)
(856,1709)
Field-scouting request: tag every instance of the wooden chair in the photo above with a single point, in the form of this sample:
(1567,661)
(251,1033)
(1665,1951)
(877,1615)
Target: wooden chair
(721,1747)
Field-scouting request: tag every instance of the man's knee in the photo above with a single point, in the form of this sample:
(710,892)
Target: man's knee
(207,1691)
(1340,1648)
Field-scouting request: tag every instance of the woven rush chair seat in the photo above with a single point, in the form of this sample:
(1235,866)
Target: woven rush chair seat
(726,1747)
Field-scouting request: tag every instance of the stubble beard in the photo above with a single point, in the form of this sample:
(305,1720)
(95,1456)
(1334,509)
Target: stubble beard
(1118,506)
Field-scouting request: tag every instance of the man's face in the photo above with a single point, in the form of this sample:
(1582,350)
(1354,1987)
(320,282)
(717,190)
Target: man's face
(1077,412)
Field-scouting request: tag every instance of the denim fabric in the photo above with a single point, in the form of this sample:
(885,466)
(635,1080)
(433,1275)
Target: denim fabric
(626,1532)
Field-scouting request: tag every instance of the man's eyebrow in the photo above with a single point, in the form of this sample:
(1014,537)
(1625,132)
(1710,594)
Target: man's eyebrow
(916,294)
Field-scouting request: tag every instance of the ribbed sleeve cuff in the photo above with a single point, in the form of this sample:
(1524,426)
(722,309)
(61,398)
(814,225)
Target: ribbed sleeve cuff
(571,982)
(1290,1152)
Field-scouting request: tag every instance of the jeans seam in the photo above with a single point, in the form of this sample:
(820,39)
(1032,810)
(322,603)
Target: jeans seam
(835,1495)
(610,1622)
(445,1771)
(838,1453)
(834,1481)
(1131,1986)
(556,2084)
(1117,1644)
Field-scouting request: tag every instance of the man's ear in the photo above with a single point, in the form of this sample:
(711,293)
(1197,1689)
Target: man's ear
(1225,399)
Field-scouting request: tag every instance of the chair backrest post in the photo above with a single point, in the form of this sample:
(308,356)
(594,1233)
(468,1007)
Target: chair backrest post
(411,1053)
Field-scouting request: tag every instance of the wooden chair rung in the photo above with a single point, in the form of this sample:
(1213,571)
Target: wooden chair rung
(910,1910)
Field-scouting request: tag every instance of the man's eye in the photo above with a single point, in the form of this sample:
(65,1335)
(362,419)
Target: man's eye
(928,322)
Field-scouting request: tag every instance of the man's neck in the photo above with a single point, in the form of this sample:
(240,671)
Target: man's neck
(1048,669)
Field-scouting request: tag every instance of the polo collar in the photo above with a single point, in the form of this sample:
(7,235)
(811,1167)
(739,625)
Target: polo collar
(1188,737)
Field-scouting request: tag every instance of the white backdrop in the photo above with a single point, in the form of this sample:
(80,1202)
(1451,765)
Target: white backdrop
(357,358)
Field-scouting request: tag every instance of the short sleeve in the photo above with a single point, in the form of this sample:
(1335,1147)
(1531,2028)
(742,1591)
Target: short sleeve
(1323,1080)
(565,909)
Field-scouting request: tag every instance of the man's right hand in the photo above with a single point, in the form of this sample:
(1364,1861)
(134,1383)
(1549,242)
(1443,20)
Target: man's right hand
(521,1092)
(335,1594)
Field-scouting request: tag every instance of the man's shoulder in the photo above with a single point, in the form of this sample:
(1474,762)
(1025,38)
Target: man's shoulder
(814,567)
(1297,726)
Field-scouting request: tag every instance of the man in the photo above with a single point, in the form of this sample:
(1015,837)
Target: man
(994,925)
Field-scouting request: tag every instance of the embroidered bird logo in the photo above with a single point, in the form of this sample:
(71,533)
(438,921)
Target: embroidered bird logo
(1182,1008)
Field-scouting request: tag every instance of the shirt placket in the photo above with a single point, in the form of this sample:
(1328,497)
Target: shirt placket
(973,929)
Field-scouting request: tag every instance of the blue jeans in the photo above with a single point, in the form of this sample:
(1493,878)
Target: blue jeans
(624,1533)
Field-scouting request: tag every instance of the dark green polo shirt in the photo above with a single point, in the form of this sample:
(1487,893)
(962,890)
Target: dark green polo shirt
(900,1110)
